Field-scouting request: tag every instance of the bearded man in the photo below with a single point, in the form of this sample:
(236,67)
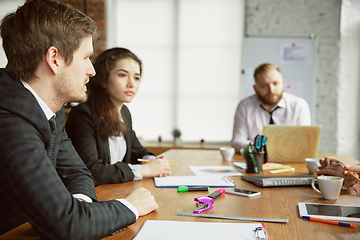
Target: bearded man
(269,105)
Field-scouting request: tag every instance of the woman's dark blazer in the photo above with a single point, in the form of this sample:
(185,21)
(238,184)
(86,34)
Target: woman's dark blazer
(94,148)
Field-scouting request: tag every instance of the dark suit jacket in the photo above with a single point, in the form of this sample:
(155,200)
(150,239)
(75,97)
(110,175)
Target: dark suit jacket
(94,148)
(32,189)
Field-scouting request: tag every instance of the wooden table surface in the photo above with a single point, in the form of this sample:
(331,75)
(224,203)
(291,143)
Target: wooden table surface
(277,202)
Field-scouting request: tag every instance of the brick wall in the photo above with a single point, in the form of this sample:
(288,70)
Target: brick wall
(96,9)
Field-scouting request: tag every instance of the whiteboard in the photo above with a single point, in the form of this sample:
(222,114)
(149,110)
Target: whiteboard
(295,57)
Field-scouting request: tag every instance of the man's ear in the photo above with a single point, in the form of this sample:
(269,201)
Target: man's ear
(52,58)
(254,87)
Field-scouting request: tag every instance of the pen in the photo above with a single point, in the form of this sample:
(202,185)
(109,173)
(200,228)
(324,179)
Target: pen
(188,189)
(282,170)
(352,174)
(217,193)
(146,160)
(329,221)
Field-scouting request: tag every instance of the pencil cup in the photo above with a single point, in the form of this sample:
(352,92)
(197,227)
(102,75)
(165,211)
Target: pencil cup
(254,162)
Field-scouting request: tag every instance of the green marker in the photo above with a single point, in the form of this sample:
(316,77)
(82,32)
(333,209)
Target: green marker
(188,189)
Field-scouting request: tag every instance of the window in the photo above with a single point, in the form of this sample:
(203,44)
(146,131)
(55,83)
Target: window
(7,6)
(191,53)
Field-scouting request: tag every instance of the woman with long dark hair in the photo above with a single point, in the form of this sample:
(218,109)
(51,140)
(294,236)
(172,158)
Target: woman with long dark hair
(101,128)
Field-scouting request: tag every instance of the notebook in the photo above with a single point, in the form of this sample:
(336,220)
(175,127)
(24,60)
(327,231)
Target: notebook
(287,144)
(283,181)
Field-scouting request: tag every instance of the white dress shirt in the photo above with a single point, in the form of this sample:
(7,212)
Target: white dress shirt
(250,117)
(117,146)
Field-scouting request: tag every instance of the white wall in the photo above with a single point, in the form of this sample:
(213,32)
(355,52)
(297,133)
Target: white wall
(5,7)
(349,75)
(337,77)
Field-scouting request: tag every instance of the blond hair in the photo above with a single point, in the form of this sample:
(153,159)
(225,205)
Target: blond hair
(265,67)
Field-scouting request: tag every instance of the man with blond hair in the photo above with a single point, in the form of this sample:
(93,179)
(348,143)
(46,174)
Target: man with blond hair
(43,180)
(269,105)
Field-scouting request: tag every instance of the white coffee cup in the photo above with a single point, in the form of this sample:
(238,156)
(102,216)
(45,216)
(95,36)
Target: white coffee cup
(330,186)
(227,153)
(312,164)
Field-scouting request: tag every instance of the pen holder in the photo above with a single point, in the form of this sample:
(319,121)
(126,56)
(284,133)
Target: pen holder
(254,162)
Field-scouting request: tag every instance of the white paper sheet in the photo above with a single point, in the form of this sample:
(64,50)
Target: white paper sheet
(192,181)
(176,230)
(295,53)
(214,170)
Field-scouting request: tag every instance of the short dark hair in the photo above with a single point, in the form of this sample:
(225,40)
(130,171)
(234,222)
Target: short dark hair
(105,114)
(37,25)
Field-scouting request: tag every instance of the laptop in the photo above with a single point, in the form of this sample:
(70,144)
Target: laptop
(290,144)
(280,181)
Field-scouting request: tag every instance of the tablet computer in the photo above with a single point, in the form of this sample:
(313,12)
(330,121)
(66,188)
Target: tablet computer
(330,211)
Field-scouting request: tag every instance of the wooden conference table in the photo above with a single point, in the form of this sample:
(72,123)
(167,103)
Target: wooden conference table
(278,202)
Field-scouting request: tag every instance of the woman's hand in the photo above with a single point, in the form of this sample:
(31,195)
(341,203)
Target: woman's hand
(332,167)
(352,184)
(159,167)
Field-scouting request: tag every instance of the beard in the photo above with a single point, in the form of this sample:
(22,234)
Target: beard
(269,101)
(68,91)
